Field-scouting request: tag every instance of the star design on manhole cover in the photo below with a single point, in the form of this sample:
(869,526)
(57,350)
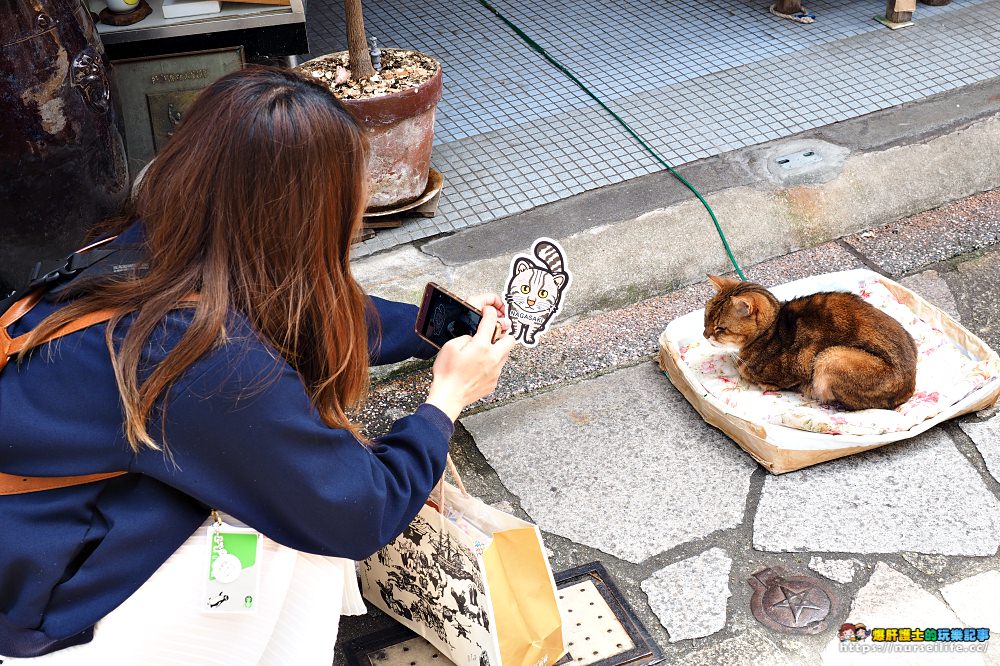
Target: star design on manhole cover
(795,602)
(790,603)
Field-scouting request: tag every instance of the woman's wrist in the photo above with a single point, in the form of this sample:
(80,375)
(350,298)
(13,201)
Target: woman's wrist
(441,398)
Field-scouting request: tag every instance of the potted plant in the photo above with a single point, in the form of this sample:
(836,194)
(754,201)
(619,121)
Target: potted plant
(395,97)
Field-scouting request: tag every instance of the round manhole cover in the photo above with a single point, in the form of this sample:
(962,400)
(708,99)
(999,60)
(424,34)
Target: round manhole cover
(793,604)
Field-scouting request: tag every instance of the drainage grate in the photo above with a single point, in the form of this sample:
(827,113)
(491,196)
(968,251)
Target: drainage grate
(798,159)
(599,627)
(590,627)
(411,651)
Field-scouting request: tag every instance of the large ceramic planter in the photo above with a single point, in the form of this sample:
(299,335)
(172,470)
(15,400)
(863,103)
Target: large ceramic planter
(401,132)
(61,141)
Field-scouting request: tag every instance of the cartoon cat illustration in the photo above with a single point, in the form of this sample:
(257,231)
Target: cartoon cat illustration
(534,292)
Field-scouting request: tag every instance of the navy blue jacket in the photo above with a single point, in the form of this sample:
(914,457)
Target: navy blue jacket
(244,439)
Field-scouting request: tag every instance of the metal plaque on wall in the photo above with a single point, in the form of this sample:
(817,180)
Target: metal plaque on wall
(165,112)
(155,93)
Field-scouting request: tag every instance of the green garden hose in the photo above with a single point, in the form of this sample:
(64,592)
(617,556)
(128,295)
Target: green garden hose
(649,149)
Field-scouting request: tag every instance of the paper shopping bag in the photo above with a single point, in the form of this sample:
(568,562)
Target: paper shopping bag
(473,581)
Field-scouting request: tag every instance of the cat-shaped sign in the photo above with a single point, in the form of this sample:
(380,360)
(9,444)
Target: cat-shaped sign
(535,290)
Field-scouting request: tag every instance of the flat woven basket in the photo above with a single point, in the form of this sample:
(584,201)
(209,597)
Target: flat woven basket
(784,449)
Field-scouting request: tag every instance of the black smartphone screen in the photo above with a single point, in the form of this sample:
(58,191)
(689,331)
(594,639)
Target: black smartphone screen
(447,318)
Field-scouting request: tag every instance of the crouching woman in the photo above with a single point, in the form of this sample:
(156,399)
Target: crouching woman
(238,399)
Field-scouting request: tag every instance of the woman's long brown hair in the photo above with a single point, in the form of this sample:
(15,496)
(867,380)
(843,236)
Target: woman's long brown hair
(253,204)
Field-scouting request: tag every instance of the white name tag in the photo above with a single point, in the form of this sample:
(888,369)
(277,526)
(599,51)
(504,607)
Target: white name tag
(233,577)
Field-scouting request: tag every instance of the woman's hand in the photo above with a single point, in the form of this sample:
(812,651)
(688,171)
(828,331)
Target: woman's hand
(483,301)
(467,368)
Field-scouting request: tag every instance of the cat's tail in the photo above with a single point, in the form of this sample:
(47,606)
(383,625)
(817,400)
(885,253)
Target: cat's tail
(550,256)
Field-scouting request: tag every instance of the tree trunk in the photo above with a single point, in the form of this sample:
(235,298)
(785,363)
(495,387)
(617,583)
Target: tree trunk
(891,13)
(788,6)
(357,42)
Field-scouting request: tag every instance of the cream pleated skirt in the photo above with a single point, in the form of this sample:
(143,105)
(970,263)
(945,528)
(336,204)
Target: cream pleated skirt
(301,600)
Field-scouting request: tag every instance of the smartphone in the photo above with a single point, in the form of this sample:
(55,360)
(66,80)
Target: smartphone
(444,316)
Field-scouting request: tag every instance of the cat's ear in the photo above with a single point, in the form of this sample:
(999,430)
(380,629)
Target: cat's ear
(722,282)
(559,279)
(743,306)
(521,265)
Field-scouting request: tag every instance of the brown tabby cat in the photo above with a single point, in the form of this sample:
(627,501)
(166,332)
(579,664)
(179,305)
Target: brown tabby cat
(830,346)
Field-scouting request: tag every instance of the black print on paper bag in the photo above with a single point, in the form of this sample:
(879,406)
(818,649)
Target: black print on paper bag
(435,580)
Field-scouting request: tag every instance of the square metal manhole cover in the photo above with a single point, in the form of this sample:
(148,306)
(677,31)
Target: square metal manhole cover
(599,627)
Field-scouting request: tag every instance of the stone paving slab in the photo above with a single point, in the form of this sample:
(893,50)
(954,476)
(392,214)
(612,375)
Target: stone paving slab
(839,571)
(918,495)
(932,286)
(930,565)
(891,599)
(974,283)
(986,435)
(951,230)
(976,600)
(750,648)
(621,463)
(689,597)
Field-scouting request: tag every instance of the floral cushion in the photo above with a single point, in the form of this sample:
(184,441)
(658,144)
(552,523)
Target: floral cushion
(945,375)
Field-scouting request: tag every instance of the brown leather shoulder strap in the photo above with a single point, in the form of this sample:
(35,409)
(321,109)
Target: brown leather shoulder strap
(20,308)
(11,346)
(12,484)
(86,321)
